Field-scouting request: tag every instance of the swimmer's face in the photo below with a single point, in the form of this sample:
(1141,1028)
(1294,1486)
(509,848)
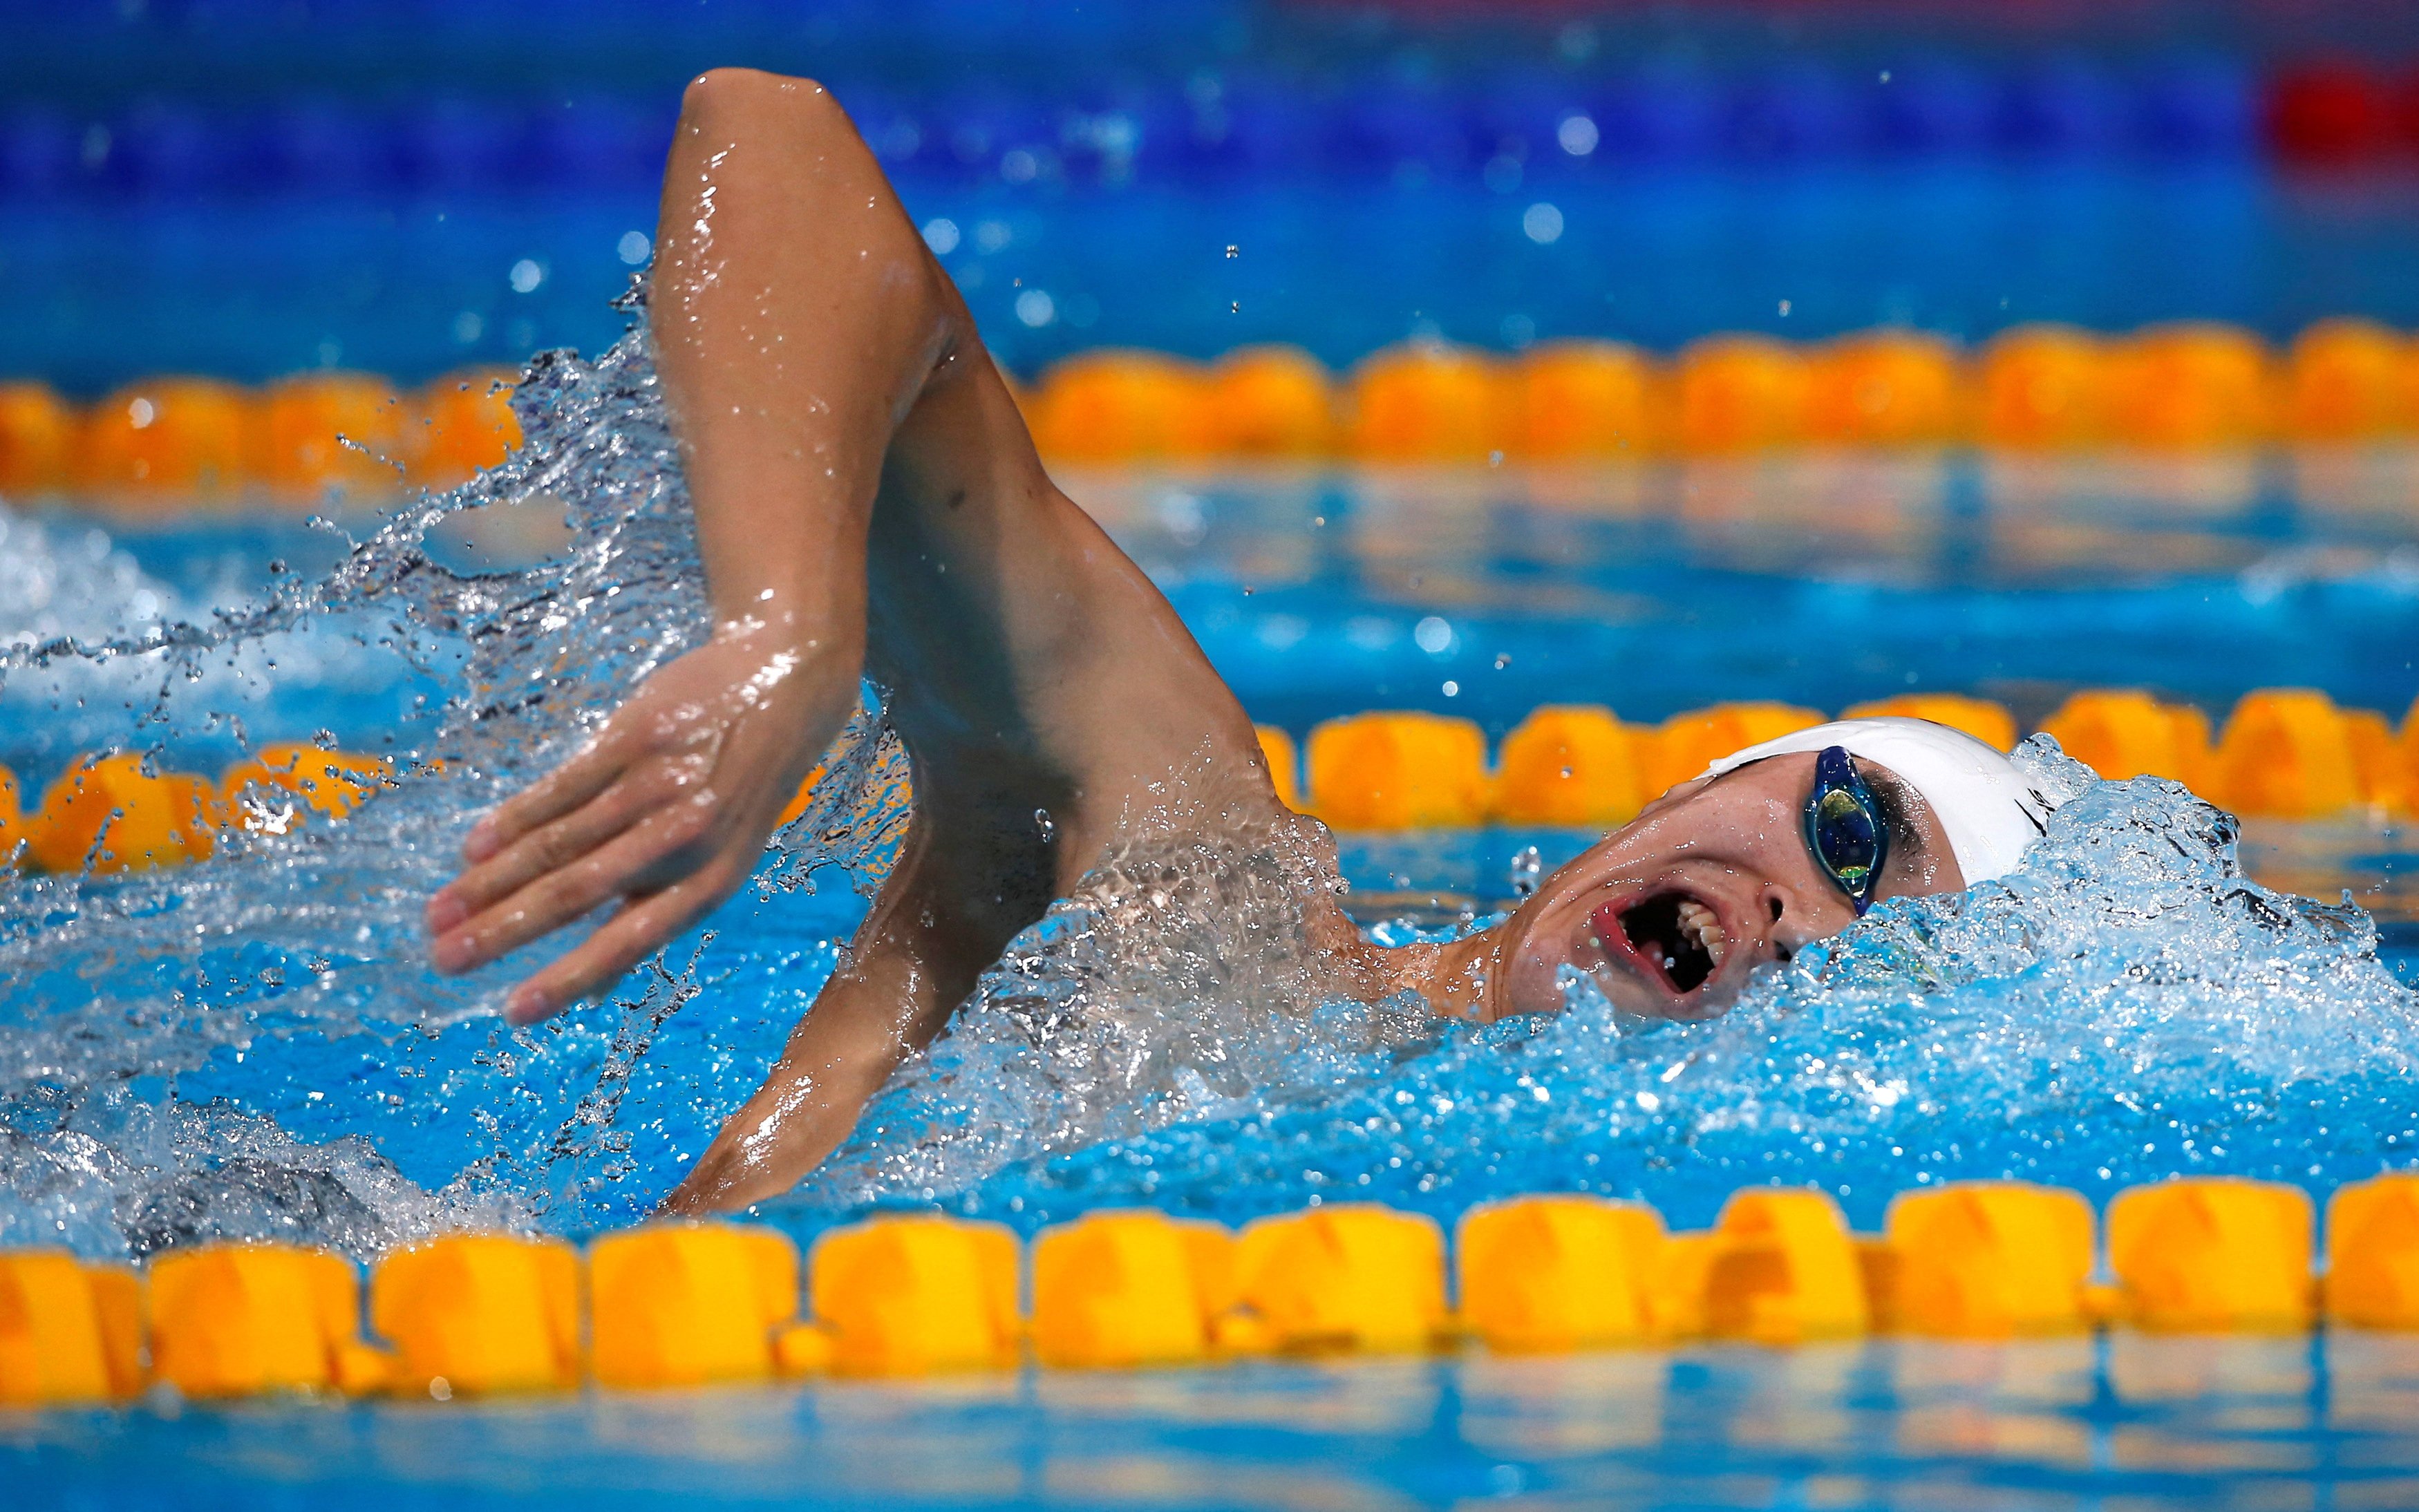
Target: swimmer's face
(1670,912)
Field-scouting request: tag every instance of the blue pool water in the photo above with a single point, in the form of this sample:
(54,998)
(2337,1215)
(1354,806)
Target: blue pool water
(253,1047)
(415,286)
(2220,1423)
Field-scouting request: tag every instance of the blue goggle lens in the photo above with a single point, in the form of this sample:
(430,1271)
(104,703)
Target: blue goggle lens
(1844,831)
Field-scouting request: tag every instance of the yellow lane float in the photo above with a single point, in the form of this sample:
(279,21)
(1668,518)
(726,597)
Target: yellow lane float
(70,1333)
(1399,771)
(1343,1276)
(272,789)
(2213,1255)
(2373,1253)
(684,1305)
(110,814)
(1984,1259)
(1130,1289)
(240,1320)
(169,441)
(1572,766)
(480,1313)
(912,1295)
(1551,1274)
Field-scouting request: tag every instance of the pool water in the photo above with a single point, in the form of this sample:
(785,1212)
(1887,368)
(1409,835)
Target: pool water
(2128,1421)
(254,1047)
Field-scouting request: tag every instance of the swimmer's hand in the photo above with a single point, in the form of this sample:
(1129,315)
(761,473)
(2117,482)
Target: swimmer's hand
(665,809)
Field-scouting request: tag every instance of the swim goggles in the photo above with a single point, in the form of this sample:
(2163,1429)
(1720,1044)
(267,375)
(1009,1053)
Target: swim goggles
(1844,831)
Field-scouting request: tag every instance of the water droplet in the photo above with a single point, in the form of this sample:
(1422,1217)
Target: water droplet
(1526,865)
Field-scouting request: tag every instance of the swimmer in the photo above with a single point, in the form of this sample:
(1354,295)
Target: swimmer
(867,503)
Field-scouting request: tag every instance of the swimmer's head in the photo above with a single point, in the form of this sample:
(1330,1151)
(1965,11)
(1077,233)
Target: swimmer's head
(1669,913)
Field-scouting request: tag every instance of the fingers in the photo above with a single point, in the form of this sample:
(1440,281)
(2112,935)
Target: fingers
(588,772)
(563,893)
(627,938)
(562,843)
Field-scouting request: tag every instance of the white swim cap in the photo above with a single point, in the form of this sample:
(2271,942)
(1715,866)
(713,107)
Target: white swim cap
(1988,808)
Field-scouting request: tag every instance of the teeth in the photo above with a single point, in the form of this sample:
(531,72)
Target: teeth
(1706,925)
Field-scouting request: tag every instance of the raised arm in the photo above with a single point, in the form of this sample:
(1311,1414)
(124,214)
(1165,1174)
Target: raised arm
(798,318)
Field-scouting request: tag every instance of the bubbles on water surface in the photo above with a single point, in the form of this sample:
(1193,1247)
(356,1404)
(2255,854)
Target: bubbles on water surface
(281,988)
(2124,1007)
(253,1046)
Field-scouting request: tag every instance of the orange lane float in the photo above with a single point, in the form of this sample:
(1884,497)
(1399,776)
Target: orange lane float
(2125,732)
(272,790)
(916,1295)
(12,821)
(2287,753)
(1983,1259)
(1271,402)
(323,435)
(1687,743)
(2043,388)
(2213,1255)
(1122,1288)
(913,1295)
(1285,763)
(1886,388)
(1741,394)
(466,426)
(2194,385)
(1117,404)
(1779,1267)
(1399,771)
(242,1318)
(110,814)
(1426,401)
(70,1334)
(37,437)
(1986,721)
(2348,380)
(169,439)
(480,1313)
(2373,1253)
(1582,401)
(1551,1274)
(688,1304)
(1342,1277)
(1571,765)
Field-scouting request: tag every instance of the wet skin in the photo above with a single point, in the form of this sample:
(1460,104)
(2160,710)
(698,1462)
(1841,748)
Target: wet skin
(867,503)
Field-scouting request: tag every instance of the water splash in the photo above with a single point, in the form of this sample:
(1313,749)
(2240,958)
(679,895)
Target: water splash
(143,1012)
(2124,1007)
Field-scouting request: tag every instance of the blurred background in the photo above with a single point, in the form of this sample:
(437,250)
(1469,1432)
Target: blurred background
(246,188)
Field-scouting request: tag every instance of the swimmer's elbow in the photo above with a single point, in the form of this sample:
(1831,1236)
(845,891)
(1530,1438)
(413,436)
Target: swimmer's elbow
(737,101)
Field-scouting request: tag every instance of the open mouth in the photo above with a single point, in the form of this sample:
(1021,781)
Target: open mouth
(1677,937)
